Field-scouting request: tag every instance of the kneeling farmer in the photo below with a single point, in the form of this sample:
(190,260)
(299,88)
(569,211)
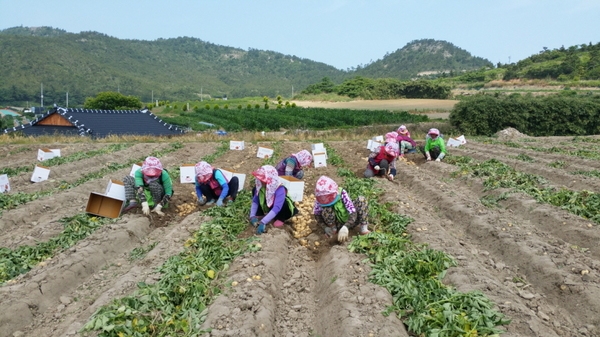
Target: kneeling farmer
(336,212)
(152,186)
(211,185)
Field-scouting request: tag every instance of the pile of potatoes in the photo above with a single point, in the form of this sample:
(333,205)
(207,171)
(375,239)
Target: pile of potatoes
(403,159)
(301,222)
(185,209)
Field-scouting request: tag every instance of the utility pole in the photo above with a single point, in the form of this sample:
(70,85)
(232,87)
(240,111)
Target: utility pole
(67,99)
(200,94)
(152,96)
(292,92)
(42,96)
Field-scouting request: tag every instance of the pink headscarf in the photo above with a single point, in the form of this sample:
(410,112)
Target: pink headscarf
(203,171)
(392,149)
(267,174)
(391,137)
(152,167)
(304,158)
(402,130)
(434,131)
(326,190)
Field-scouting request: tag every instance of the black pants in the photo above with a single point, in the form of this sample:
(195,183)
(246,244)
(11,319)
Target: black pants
(434,152)
(211,195)
(284,214)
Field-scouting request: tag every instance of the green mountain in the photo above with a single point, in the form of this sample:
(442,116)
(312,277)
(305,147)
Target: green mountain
(573,63)
(87,63)
(422,58)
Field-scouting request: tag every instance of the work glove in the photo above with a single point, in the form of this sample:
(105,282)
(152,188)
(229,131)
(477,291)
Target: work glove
(437,159)
(201,201)
(220,202)
(254,221)
(261,228)
(145,208)
(390,177)
(343,234)
(377,168)
(158,210)
(428,156)
(330,231)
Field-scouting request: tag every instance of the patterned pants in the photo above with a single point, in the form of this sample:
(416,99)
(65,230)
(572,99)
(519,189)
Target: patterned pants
(155,188)
(361,217)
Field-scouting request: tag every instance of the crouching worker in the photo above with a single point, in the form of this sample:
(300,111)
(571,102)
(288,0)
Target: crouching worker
(336,212)
(434,147)
(270,200)
(382,161)
(293,165)
(151,186)
(212,185)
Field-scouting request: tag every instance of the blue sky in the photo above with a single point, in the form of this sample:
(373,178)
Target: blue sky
(341,33)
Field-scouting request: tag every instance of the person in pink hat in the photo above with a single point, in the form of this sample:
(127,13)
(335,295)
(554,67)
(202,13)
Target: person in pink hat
(270,201)
(212,186)
(295,164)
(336,212)
(382,161)
(402,130)
(434,148)
(151,185)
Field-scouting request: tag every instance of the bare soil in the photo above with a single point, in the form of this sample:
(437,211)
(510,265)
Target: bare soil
(527,257)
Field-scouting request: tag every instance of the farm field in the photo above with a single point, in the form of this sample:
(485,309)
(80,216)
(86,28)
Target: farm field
(528,248)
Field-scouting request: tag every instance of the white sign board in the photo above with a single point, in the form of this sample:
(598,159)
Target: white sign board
(115,189)
(187,174)
(40,173)
(236,145)
(264,152)
(4,183)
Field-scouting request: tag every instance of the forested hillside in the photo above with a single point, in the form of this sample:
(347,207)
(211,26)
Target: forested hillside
(87,63)
(422,57)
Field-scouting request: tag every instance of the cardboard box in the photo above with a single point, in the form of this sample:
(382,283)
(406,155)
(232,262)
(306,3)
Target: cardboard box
(4,183)
(56,152)
(264,152)
(453,142)
(295,187)
(462,139)
(187,174)
(314,152)
(115,189)
(103,205)
(134,168)
(45,154)
(320,159)
(378,139)
(236,145)
(373,145)
(40,173)
(230,174)
(319,147)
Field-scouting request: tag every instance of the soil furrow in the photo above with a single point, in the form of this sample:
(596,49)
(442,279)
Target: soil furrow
(521,254)
(115,275)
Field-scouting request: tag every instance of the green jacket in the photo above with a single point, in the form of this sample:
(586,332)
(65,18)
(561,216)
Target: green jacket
(164,179)
(439,141)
